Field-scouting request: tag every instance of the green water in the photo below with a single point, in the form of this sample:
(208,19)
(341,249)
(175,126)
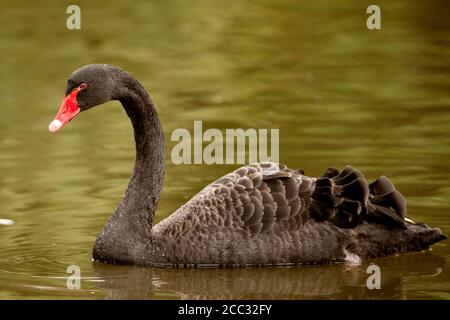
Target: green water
(339,93)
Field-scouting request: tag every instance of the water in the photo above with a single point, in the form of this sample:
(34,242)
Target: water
(339,93)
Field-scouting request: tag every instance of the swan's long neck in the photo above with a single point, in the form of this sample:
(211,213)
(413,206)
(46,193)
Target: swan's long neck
(127,233)
(140,201)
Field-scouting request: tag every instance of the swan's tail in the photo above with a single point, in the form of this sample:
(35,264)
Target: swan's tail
(346,200)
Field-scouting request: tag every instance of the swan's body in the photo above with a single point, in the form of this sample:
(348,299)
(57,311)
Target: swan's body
(260,214)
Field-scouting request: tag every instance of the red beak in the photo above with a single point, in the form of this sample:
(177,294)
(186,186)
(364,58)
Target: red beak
(68,110)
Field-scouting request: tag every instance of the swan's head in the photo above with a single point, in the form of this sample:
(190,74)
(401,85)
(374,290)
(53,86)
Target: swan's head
(87,87)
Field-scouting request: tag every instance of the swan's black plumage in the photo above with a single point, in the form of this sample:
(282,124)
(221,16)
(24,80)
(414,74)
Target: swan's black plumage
(260,214)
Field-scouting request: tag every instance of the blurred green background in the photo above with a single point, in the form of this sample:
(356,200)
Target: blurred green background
(339,93)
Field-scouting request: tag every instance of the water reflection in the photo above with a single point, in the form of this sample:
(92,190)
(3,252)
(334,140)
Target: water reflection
(337,281)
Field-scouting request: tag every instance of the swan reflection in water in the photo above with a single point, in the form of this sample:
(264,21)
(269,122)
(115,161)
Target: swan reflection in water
(336,281)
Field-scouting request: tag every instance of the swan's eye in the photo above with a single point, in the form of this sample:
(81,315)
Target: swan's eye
(82,86)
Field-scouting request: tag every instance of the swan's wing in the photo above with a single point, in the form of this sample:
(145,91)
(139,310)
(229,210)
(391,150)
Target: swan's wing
(254,199)
(266,198)
(262,198)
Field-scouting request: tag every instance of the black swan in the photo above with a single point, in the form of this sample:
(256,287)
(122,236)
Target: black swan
(262,214)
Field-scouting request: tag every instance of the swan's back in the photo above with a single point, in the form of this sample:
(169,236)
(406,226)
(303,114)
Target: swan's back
(268,214)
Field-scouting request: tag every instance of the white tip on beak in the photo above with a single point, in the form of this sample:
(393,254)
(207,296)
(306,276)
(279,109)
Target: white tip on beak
(54,126)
